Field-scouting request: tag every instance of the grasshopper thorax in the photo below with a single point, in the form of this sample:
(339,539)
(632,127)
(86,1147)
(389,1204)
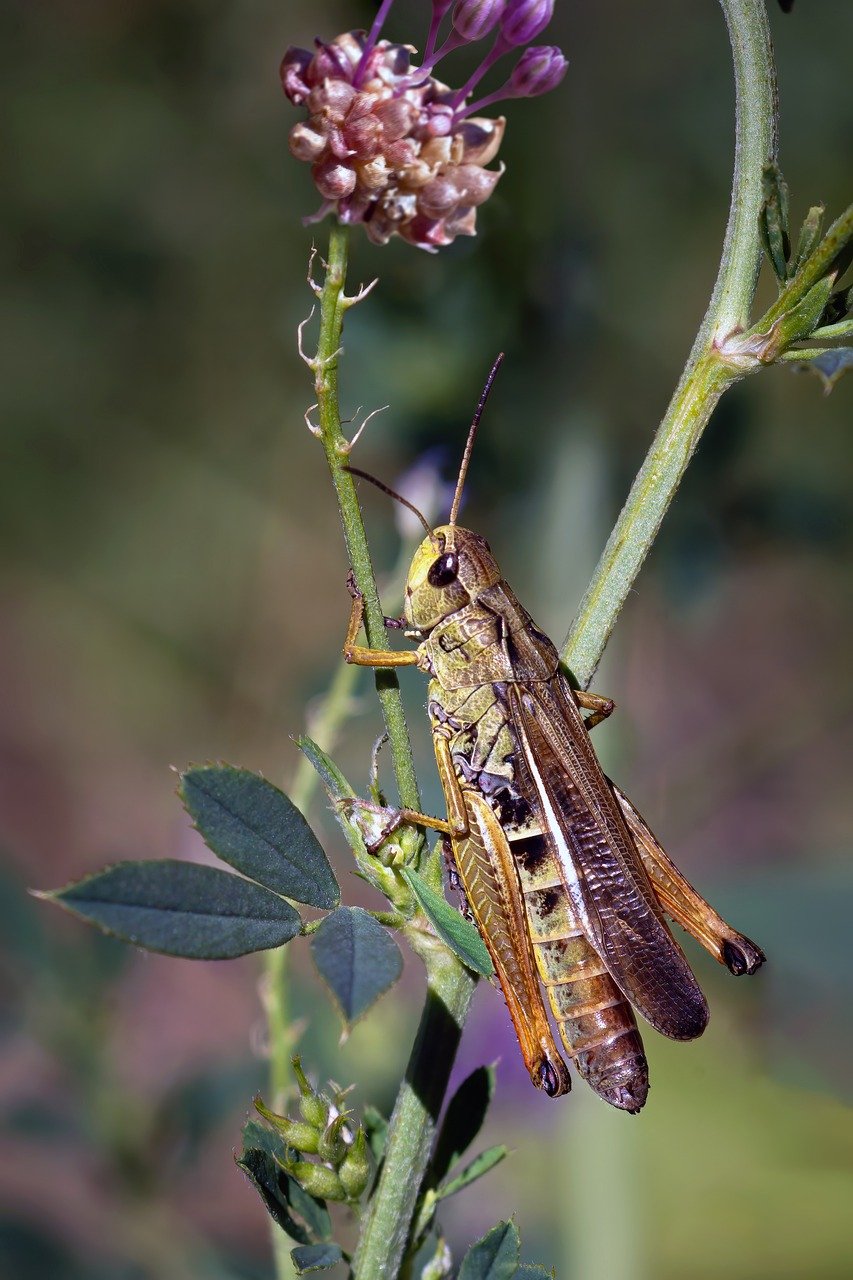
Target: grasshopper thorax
(449,570)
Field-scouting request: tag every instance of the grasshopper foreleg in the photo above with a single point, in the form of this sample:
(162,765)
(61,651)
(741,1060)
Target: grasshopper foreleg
(362,656)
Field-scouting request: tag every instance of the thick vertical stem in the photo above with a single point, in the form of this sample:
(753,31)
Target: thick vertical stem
(386,1226)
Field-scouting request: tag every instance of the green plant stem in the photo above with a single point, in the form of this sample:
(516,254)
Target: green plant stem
(709,370)
(387,1221)
(334,304)
(280,1039)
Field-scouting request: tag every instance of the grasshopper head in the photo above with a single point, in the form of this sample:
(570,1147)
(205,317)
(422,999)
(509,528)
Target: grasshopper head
(449,570)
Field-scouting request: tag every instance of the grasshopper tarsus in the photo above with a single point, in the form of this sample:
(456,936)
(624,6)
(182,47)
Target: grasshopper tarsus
(742,957)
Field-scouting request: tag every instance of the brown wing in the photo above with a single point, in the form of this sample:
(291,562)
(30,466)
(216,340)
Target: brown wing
(604,876)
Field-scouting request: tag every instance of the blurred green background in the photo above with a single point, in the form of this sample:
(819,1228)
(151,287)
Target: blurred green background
(172,581)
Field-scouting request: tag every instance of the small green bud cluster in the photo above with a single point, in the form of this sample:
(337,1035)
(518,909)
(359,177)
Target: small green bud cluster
(395,149)
(325,1130)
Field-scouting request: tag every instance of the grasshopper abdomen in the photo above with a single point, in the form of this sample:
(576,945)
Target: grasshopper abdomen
(595,1021)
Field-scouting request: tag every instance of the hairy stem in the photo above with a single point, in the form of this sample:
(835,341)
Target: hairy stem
(334,304)
(386,1226)
(708,372)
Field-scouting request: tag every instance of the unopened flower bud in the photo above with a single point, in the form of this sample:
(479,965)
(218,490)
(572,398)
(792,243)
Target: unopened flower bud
(294,65)
(373,175)
(439,120)
(306,143)
(334,61)
(314,1108)
(474,19)
(332,1146)
(538,70)
(332,98)
(524,19)
(317,1179)
(363,137)
(481,139)
(396,117)
(304,1137)
(438,197)
(334,180)
(355,1169)
(476,184)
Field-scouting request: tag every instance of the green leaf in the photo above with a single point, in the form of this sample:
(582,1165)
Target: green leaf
(463,1120)
(798,323)
(453,929)
(314,1223)
(265,1139)
(495,1257)
(256,828)
(181,909)
(809,237)
(828,365)
(533,1271)
(331,776)
(357,959)
(316,1257)
(376,1128)
(273,1186)
(479,1166)
(774,220)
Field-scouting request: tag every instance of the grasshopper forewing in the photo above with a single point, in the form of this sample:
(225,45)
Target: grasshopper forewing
(564,880)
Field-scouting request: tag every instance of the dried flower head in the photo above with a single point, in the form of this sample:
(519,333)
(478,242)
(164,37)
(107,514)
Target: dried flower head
(391,146)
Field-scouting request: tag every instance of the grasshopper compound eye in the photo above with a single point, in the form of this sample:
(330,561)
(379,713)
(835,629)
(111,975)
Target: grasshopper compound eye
(444,571)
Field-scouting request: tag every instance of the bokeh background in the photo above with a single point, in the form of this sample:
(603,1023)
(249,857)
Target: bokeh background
(172,586)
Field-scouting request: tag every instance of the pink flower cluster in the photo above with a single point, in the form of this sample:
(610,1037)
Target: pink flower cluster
(394,148)
(389,153)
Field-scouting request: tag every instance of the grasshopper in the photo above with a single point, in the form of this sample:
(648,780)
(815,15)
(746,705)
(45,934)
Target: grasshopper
(564,880)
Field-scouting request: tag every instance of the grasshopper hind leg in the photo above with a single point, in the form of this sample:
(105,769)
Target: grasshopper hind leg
(455,880)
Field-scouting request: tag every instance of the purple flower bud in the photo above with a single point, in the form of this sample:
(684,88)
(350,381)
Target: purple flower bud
(331,61)
(332,99)
(476,184)
(524,19)
(363,137)
(334,180)
(306,143)
(474,19)
(396,117)
(539,70)
(439,196)
(294,65)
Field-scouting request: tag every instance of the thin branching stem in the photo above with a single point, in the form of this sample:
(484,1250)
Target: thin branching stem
(708,372)
(334,304)
(388,1217)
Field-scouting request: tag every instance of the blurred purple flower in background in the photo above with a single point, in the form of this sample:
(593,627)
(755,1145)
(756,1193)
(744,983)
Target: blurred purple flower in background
(394,148)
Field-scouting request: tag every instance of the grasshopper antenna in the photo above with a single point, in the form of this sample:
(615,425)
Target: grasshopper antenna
(469,444)
(392,493)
